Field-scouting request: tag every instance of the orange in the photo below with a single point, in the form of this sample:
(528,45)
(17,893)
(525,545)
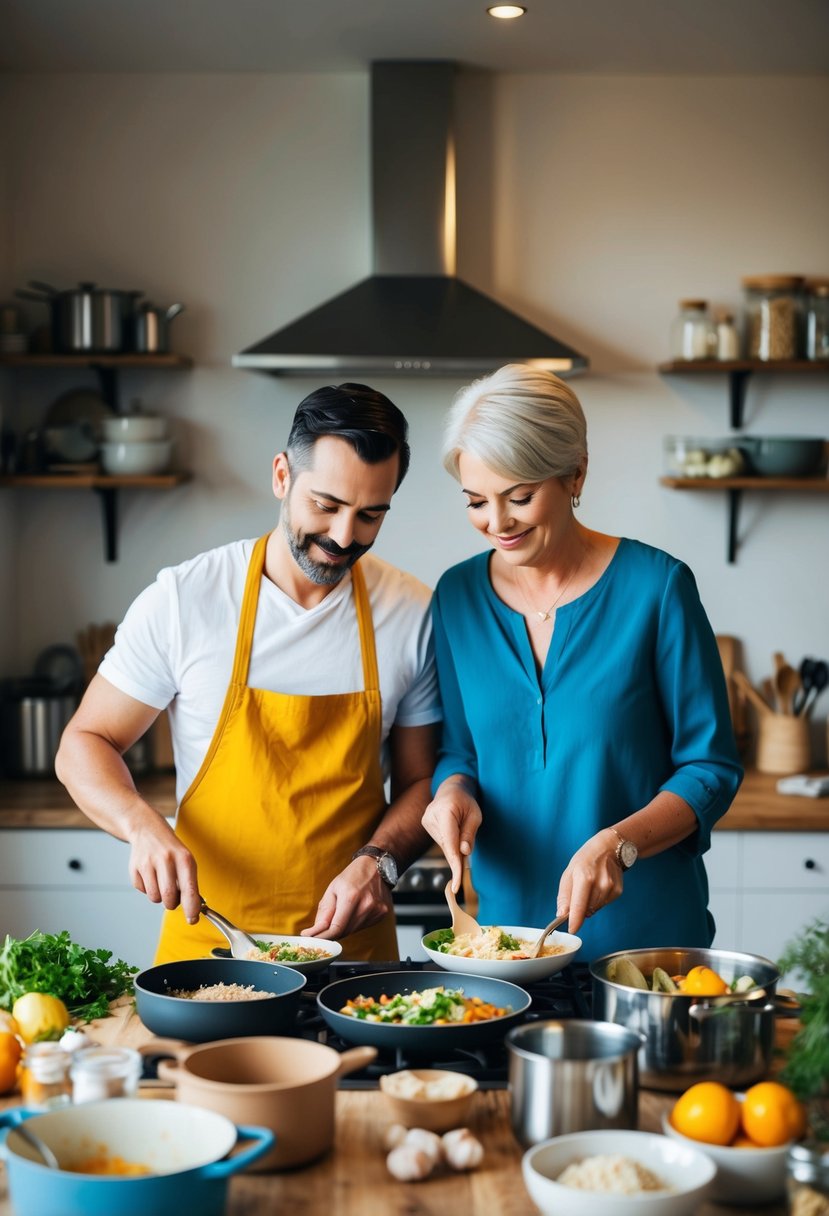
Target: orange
(702,981)
(708,1112)
(10,1052)
(772,1115)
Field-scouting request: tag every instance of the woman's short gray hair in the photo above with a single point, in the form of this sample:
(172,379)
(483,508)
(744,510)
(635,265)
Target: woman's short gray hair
(521,421)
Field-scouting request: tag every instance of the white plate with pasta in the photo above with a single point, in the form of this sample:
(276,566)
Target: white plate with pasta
(500,952)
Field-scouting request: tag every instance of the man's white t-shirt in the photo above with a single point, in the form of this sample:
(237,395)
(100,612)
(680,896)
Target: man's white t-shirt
(176,643)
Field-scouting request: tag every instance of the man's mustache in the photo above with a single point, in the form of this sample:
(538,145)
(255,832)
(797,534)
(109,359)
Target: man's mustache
(331,546)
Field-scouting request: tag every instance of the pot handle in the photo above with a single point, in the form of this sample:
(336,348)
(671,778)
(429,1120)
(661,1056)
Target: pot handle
(354,1058)
(263,1139)
(173,311)
(702,1012)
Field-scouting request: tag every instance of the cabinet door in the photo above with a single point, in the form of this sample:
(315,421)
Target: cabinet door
(119,919)
(722,864)
(775,919)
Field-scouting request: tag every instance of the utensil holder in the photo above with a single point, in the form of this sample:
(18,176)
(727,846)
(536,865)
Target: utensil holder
(783,744)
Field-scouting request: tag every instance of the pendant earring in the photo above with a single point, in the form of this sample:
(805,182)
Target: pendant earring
(576,500)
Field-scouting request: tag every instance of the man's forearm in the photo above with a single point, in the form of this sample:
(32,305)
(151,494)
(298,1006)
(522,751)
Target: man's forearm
(400,830)
(101,785)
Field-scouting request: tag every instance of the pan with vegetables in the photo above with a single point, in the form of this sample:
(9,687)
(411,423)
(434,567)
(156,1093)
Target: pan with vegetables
(422,1011)
(705,1014)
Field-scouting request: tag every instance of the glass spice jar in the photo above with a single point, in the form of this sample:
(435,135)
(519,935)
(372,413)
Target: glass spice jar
(807,1179)
(774,315)
(105,1072)
(44,1077)
(692,333)
(817,319)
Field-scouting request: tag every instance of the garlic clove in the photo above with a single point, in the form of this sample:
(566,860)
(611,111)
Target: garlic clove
(408,1163)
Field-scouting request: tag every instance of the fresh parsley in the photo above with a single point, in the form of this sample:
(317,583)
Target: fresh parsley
(507,942)
(441,940)
(85,980)
(807,1064)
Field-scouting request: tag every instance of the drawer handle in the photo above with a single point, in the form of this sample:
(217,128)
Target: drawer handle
(810,864)
(75,863)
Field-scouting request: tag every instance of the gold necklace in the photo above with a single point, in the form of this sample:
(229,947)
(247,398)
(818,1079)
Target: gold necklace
(545,616)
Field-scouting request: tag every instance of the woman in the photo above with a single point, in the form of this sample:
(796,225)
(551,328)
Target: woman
(587,747)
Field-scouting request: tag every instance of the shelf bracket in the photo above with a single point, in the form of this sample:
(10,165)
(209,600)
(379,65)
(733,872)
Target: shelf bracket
(737,381)
(108,378)
(109,508)
(734,497)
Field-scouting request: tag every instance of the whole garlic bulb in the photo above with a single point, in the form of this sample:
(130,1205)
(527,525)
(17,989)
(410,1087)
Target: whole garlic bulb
(427,1142)
(408,1163)
(461,1150)
(395,1134)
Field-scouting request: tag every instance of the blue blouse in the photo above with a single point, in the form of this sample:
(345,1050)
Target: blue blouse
(631,701)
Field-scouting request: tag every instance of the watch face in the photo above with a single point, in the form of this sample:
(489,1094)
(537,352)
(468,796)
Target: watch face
(388,869)
(628,853)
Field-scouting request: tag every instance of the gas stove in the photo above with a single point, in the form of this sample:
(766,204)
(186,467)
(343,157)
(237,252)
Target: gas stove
(564,995)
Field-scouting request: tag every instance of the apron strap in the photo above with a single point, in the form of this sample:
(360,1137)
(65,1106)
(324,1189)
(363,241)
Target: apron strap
(371,677)
(247,616)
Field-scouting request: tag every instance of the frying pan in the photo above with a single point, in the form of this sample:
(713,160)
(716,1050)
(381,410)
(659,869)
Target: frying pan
(203,1021)
(421,1039)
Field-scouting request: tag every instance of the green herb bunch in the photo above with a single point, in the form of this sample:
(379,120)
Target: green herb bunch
(84,980)
(807,1067)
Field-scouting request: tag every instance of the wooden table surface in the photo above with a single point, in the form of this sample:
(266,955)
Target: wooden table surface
(352,1179)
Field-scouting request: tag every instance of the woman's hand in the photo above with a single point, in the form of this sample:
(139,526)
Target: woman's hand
(592,879)
(452,819)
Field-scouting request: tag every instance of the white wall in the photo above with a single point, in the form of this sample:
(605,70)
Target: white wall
(247,197)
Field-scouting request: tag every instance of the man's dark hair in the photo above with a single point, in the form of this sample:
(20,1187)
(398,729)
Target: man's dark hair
(372,424)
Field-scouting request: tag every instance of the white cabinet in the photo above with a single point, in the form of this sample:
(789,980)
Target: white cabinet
(766,887)
(55,879)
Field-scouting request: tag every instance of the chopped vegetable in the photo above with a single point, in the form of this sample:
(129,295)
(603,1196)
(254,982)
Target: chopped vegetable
(431,1007)
(85,980)
(442,940)
(507,942)
(284,952)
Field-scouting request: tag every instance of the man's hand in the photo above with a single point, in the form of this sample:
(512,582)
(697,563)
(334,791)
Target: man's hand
(355,899)
(452,819)
(163,868)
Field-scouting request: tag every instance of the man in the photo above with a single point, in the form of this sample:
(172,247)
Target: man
(297,677)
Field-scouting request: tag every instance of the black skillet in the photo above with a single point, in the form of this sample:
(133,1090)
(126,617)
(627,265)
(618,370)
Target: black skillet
(178,1017)
(422,1040)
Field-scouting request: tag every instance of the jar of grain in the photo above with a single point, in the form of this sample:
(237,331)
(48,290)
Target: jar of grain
(692,333)
(817,319)
(774,313)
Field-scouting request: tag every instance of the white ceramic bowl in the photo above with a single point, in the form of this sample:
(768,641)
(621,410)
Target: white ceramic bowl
(744,1175)
(137,457)
(517,971)
(333,949)
(131,427)
(685,1169)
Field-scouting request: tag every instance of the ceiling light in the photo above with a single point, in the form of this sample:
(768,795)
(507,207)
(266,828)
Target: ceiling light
(506,12)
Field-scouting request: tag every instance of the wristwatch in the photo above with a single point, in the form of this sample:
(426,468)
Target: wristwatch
(626,851)
(386,864)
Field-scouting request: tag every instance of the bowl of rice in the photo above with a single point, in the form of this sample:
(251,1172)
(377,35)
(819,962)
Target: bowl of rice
(304,954)
(500,952)
(617,1173)
(434,1098)
(203,999)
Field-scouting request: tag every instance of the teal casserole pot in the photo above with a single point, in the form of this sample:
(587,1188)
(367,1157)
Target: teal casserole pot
(185,1147)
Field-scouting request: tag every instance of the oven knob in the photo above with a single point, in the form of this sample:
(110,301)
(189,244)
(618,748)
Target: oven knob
(416,880)
(438,881)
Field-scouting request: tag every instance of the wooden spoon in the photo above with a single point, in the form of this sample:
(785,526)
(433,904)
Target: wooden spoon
(462,922)
(787,684)
(742,681)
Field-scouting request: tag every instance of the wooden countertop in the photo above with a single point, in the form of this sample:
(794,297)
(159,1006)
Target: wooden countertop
(757,807)
(352,1180)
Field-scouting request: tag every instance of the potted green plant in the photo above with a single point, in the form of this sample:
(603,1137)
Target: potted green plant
(806,1071)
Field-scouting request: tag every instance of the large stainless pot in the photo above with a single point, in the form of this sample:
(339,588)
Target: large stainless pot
(572,1076)
(87,318)
(688,1038)
(33,715)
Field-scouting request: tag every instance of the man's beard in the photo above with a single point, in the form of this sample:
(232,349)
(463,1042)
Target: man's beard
(321,573)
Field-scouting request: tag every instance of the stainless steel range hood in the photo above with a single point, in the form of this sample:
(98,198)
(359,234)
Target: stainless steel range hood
(413,316)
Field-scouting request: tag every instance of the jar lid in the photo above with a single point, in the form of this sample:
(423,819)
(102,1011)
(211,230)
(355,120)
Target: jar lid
(818,287)
(773,282)
(702,304)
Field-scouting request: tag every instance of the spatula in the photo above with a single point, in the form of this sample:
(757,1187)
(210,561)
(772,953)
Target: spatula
(539,945)
(240,943)
(462,922)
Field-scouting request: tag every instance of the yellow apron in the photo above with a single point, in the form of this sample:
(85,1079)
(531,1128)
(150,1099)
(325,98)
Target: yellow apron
(290,787)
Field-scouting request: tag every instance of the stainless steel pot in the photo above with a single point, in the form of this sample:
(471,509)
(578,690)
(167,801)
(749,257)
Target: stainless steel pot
(572,1076)
(87,318)
(151,327)
(32,719)
(687,1038)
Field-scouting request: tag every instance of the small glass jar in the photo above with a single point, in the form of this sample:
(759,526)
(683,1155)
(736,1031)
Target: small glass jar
(44,1077)
(104,1072)
(817,319)
(807,1179)
(728,340)
(692,334)
(774,315)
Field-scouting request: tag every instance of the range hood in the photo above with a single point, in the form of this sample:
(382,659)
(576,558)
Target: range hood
(413,316)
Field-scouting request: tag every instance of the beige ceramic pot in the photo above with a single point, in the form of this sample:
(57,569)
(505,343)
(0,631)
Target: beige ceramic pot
(287,1085)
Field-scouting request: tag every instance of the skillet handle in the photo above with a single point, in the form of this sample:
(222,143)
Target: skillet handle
(354,1058)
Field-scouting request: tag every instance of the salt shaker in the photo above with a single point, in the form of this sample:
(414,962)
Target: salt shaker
(104,1072)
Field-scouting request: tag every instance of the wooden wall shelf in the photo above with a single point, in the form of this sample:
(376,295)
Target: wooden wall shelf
(106,367)
(738,372)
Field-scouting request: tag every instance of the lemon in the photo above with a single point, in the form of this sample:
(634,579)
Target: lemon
(40,1016)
